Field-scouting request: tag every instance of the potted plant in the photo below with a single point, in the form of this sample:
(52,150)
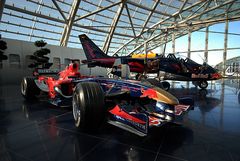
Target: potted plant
(3,47)
(40,56)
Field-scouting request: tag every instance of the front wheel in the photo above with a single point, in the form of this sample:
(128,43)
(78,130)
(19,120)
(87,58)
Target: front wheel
(29,89)
(88,105)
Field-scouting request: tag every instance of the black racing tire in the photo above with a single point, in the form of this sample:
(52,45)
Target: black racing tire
(166,85)
(203,84)
(29,89)
(88,105)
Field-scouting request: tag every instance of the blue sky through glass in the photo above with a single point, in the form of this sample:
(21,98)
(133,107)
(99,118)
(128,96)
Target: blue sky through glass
(215,41)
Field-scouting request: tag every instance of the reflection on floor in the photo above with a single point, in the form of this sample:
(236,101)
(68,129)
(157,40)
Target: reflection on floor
(38,131)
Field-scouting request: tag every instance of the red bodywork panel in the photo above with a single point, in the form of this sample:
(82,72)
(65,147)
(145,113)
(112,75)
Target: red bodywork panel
(150,93)
(64,78)
(179,109)
(119,112)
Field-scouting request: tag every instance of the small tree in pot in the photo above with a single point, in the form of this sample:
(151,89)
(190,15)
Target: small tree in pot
(39,56)
(3,46)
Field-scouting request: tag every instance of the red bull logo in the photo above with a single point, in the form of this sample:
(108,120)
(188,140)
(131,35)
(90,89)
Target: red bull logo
(150,93)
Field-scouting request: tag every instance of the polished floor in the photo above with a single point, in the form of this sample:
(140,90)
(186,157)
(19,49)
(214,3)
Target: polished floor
(37,131)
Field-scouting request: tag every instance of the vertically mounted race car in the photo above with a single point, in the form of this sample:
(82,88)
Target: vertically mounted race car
(131,105)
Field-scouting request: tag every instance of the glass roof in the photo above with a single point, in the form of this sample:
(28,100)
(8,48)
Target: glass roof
(117,26)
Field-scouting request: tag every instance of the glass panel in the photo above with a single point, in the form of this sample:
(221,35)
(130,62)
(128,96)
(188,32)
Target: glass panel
(215,57)
(67,61)
(56,63)
(14,61)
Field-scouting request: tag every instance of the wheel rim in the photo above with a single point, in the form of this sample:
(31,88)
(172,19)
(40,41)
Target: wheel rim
(24,87)
(203,84)
(76,110)
(166,86)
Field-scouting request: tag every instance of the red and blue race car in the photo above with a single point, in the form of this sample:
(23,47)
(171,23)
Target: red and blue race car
(135,106)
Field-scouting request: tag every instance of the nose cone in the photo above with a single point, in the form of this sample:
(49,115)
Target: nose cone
(166,97)
(160,96)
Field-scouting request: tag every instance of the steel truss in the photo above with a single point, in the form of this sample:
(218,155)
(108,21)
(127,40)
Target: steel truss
(119,26)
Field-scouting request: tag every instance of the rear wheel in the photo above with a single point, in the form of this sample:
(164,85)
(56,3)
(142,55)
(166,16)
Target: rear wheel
(88,105)
(29,89)
(203,84)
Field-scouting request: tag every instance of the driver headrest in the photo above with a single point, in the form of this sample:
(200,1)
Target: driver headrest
(75,65)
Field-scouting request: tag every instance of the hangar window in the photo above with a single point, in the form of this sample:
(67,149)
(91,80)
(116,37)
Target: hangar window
(67,61)
(237,69)
(56,63)
(14,61)
(234,67)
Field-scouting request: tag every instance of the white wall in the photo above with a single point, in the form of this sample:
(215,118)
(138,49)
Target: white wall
(13,75)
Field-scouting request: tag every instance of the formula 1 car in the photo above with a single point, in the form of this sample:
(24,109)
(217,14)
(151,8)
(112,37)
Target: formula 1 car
(131,105)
